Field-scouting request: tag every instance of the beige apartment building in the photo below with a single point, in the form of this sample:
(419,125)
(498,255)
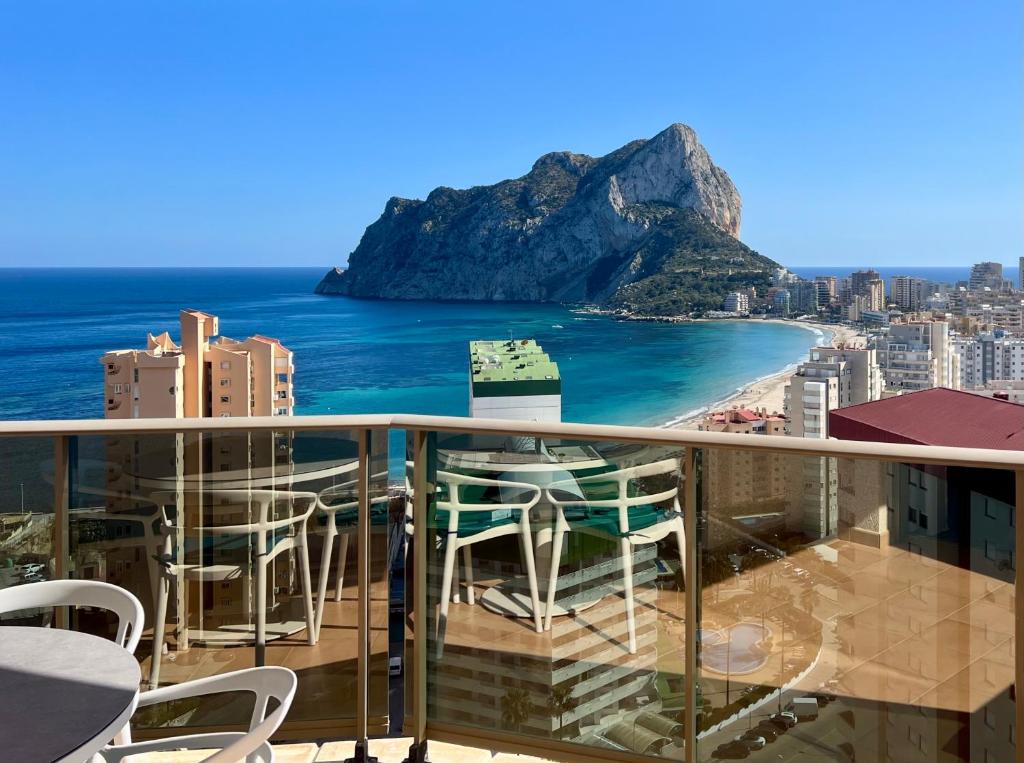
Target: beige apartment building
(204,375)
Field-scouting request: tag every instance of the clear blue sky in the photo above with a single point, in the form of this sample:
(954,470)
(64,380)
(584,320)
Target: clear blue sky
(179,133)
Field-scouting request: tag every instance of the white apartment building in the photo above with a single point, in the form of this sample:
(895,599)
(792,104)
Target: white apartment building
(736,302)
(832,378)
(989,357)
(918,355)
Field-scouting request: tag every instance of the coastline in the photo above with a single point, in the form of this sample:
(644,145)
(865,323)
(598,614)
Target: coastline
(767,391)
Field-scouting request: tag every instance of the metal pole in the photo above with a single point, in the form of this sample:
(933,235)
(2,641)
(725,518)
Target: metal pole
(692,585)
(61,541)
(420,499)
(363,663)
(1018,578)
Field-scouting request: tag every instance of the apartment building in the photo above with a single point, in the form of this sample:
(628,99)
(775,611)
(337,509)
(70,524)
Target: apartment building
(204,375)
(832,378)
(917,355)
(986,275)
(736,302)
(989,357)
(868,284)
(909,293)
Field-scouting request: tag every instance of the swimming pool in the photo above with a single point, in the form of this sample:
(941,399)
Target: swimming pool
(736,649)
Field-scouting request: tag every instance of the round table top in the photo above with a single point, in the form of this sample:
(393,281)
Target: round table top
(60,690)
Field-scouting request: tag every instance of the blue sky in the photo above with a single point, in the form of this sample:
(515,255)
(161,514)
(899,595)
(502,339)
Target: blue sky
(273,133)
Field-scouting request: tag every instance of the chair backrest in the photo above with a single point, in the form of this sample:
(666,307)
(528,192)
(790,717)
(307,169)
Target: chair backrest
(80,593)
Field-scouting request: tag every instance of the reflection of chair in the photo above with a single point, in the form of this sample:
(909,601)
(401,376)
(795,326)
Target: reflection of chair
(613,507)
(252,746)
(80,593)
(463,506)
(339,515)
(272,537)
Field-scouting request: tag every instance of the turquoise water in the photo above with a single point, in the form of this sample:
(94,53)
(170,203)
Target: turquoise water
(355,356)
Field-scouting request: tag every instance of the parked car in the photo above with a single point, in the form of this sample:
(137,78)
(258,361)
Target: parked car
(823,697)
(751,739)
(804,708)
(768,730)
(734,750)
(786,718)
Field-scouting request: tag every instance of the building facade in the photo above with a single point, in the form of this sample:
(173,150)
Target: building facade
(917,355)
(204,375)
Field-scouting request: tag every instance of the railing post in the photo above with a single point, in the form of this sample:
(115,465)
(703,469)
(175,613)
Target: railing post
(61,526)
(420,455)
(1018,581)
(692,584)
(362,754)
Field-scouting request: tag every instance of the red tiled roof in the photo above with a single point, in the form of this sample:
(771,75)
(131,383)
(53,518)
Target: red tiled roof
(937,416)
(746,413)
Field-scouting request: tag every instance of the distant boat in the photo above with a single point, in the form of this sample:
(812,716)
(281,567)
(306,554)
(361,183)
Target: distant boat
(557,326)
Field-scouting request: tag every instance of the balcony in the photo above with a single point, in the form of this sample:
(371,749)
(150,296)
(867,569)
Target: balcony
(574,592)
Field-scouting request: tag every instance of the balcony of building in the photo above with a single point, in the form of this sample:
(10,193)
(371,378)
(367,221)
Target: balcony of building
(564,591)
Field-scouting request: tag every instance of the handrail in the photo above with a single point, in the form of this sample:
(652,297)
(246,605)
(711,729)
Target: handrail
(795,446)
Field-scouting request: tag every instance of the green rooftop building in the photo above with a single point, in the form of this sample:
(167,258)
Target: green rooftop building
(513,379)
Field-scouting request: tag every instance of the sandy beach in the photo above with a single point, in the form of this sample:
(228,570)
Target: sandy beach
(768,392)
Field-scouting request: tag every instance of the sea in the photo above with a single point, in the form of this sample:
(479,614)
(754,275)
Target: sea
(365,356)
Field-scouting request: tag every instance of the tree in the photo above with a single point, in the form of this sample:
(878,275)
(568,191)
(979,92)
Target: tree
(560,702)
(515,708)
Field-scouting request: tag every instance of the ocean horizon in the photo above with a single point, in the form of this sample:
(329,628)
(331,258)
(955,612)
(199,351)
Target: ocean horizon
(364,356)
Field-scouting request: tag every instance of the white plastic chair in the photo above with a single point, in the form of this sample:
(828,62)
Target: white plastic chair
(252,746)
(330,512)
(81,593)
(456,537)
(624,508)
(268,545)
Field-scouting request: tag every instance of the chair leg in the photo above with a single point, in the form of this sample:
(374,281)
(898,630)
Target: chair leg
(312,631)
(456,595)
(531,575)
(467,560)
(446,591)
(159,629)
(556,556)
(325,571)
(339,580)
(626,550)
(261,610)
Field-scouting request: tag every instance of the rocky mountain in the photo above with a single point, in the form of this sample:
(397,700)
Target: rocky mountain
(651,228)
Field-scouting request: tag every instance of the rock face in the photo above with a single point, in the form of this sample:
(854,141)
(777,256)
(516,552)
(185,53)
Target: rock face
(574,229)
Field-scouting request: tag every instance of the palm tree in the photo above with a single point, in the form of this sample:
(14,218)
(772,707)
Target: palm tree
(515,708)
(560,702)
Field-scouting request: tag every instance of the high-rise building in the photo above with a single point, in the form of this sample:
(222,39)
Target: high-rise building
(917,355)
(986,275)
(736,302)
(908,292)
(513,379)
(205,375)
(830,283)
(781,302)
(1020,274)
(832,378)
(989,357)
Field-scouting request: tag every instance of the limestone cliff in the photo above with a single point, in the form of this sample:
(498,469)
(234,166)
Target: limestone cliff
(652,227)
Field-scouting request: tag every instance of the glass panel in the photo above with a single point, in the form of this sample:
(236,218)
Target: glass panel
(555,588)
(874,601)
(26,517)
(217,534)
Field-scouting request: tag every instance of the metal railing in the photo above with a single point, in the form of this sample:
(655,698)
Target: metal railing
(421,428)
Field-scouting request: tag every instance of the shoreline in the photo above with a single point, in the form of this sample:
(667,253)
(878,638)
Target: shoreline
(766,391)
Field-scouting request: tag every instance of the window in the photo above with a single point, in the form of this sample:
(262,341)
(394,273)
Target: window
(135,374)
(912,515)
(990,551)
(989,510)
(117,389)
(225,382)
(280,411)
(922,521)
(282,395)
(225,365)
(282,378)
(225,398)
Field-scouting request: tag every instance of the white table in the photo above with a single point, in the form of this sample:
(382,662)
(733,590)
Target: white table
(65,694)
